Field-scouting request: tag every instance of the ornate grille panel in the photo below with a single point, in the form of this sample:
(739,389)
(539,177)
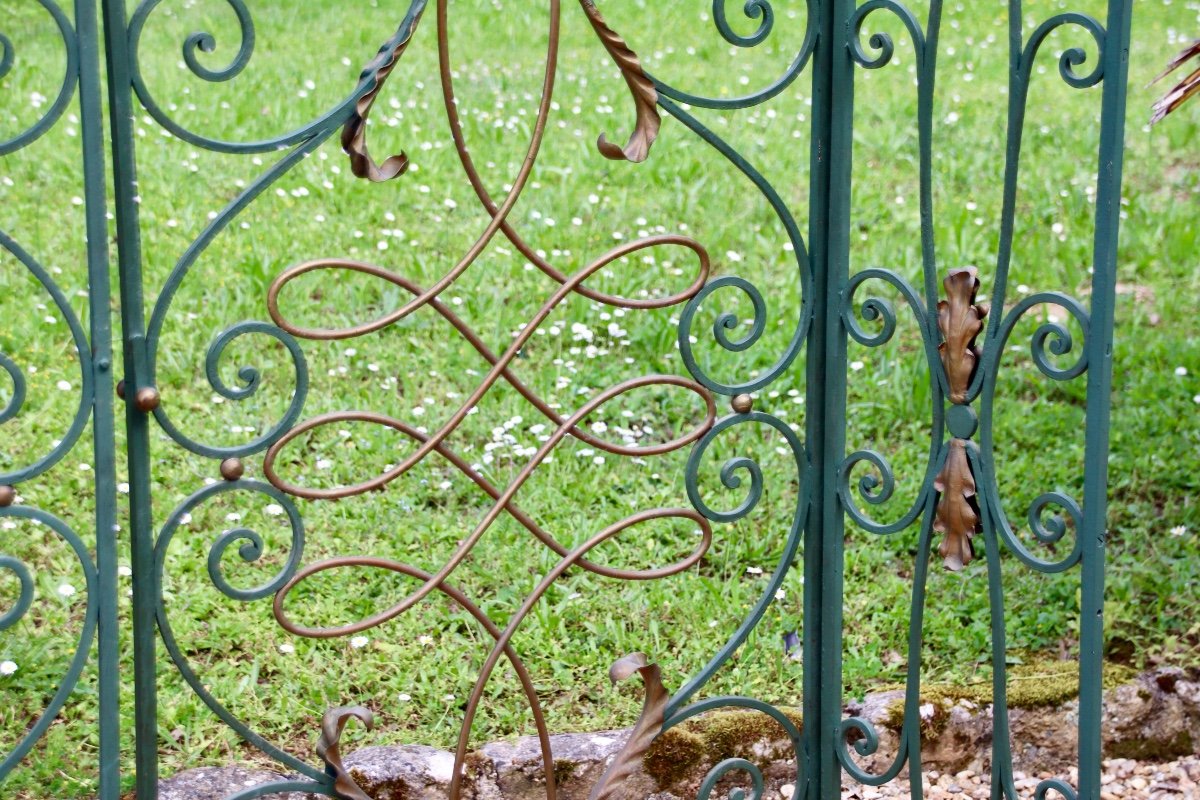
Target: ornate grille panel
(965,317)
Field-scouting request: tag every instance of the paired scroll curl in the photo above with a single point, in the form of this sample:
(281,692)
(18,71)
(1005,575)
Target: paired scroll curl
(872,323)
(1061,357)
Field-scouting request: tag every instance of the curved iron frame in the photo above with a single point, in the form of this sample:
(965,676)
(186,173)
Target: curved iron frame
(962,341)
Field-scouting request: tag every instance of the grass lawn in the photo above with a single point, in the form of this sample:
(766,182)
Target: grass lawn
(416,671)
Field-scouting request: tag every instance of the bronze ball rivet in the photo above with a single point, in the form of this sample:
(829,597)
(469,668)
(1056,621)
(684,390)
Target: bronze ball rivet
(232,469)
(147,399)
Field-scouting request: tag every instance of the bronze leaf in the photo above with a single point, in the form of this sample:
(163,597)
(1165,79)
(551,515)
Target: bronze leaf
(957,517)
(329,749)
(649,725)
(645,95)
(1181,92)
(354,132)
(960,320)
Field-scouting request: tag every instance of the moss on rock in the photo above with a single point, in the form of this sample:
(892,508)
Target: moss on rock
(671,756)
(563,770)
(1037,684)
(709,739)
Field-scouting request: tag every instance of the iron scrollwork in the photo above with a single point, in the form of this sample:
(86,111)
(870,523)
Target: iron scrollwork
(962,341)
(351,116)
(86,349)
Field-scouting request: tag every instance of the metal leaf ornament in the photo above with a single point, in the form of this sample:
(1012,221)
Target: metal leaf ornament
(645,95)
(957,516)
(960,320)
(649,725)
(1181,92)
(329,749)
(354,133)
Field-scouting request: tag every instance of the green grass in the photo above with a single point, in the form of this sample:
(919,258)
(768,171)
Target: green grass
(416,671)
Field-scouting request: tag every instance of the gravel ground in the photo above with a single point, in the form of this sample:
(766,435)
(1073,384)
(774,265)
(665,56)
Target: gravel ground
(1176,780)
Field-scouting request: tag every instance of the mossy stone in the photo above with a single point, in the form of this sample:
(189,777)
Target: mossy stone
(1037,684)
(563,770)
(709,739)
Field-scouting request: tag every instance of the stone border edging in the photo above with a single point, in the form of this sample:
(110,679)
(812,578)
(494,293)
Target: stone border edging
(1153,717)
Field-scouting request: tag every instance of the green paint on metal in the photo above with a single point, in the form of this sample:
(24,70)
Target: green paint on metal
(958,500)
(103,418)
(137,427)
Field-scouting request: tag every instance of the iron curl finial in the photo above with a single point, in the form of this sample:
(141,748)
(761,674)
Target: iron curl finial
(753,9)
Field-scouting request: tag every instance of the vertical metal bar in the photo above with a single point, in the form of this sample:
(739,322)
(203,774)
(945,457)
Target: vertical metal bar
(129,260)
(819,754)
(1095,493)
(103,421)
(833,112)
(837,266)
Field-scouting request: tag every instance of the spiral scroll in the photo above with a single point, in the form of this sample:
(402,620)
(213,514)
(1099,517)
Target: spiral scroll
(876,488)
(754,9)
(962,340)
(10,617)
(66,90)
(764,12)
(16,400)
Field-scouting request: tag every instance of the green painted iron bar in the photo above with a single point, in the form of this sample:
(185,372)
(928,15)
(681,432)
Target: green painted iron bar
(103,422)
(1099,391)
(820,755)
(129,262)
(832,439)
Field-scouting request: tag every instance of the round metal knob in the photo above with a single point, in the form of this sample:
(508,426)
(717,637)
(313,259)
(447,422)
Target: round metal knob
(232,469)
(147,399)
(7,495)
(742,404)
(121,388)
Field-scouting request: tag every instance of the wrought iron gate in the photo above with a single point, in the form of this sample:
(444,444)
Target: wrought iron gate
(959,504)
